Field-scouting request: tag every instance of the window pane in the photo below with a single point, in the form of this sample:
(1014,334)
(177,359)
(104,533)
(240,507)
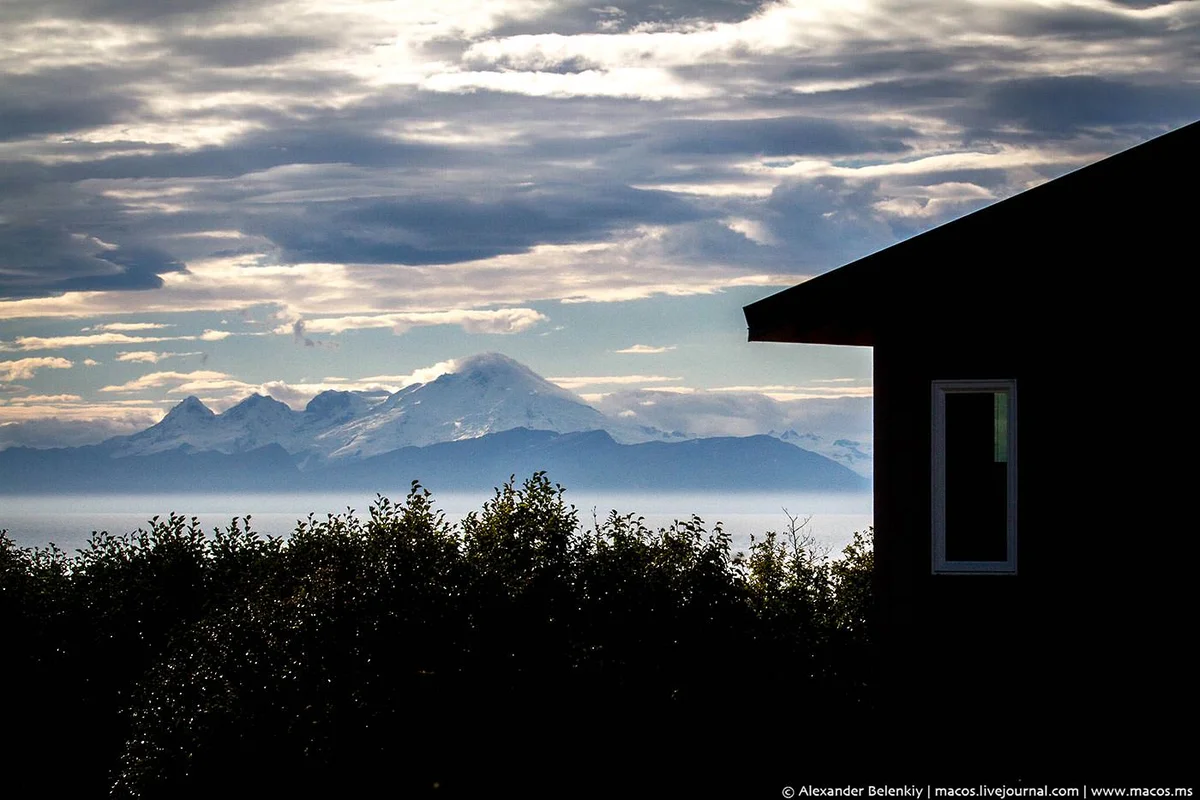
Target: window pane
(976,476)
(1000,427)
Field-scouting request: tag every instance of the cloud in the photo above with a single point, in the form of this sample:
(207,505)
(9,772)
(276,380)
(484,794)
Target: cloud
(221,390)
(98,339)
(26,368)
(707,413)
(504,320)
(178,382)
(645,349)
(128,326)
(577,382)
(90,340)
(298,328)
(373,159)
(57,432)
(27,399)
(639,83)
(150,356)
(790,392)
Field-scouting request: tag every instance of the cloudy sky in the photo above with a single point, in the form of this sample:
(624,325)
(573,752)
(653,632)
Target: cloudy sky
(216,197)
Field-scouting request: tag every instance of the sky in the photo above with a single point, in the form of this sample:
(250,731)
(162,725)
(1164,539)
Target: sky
(220,197)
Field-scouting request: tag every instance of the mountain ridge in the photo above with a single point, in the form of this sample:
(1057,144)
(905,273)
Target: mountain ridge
(491,416)
(581,460)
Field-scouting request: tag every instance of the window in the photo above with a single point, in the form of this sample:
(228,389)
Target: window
(975,476)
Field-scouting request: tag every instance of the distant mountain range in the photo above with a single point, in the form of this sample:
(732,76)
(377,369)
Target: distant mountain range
(472,428)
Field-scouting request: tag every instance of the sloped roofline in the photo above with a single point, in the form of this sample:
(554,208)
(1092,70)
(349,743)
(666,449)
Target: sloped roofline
(837,306)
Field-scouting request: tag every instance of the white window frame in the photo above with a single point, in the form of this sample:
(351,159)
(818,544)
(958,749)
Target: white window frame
(940,389)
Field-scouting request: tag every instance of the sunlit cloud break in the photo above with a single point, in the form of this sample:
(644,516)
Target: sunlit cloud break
(645,349)
(504,320)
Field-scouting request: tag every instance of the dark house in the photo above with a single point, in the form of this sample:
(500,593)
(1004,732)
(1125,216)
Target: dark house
(1033,413)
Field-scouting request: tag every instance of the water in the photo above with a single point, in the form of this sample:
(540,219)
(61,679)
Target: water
(68,520)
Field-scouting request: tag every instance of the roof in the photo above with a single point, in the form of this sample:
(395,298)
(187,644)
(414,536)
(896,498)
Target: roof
(1113,202)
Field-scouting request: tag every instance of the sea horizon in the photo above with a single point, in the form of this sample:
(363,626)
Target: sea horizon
(68,520)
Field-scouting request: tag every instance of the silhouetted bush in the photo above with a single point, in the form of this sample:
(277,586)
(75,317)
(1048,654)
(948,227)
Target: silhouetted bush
(515,648)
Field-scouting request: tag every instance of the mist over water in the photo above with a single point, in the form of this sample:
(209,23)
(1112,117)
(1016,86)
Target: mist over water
(69,520)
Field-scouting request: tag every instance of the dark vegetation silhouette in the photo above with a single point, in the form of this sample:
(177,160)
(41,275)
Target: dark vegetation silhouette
(516,649)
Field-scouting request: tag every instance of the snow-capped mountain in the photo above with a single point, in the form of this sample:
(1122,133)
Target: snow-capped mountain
(486,393)
(849,452)
(191,425)
(255,422)
(489,418)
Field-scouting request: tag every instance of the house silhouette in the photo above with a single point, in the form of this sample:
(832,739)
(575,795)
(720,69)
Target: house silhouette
(1033,415)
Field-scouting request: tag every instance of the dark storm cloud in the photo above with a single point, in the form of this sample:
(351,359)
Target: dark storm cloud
(781,136)
(263,150)
(44,259)
(432,230)
(341,165)
(130,11)
(244,51)
(709,242)
(828,221)
(56,238)
(1083,24)
(587,16)
(1065,105)
(59,101)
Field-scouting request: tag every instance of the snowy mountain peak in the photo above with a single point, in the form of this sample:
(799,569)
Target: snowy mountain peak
(257,405)
(332,405)
(190,407)
(486,393)
(487,370)
(494,363)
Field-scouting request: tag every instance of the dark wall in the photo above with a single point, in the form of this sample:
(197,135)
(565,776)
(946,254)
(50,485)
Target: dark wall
(1080,290)
(1087,640)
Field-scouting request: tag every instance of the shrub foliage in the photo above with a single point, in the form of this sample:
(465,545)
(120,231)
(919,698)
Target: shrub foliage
(400,646)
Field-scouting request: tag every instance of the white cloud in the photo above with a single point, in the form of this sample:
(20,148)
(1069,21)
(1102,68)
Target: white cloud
(90,340)
(640,83)
(206,382)
(130,417)
(634,264)
(576,382)
(177,381)
(99,339)
(59,428)
(645,349)
(150,356)
(504,320)
(25,368)
(789,392)
(128,326)
(707,413)
(28,399)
